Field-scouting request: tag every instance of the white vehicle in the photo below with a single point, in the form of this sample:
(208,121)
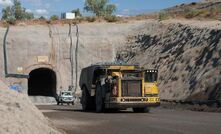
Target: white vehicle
(65,97)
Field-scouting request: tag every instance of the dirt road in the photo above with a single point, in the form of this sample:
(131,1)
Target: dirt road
(158,121)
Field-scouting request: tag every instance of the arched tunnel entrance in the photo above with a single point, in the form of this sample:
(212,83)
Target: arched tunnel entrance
(42,82)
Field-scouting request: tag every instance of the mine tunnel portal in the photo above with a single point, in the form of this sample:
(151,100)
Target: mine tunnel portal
(42,82)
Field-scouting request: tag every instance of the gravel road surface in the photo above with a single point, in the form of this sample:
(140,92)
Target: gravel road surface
(158,121)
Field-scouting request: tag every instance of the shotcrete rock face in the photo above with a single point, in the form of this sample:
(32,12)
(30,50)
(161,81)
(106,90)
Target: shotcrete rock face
(31,47)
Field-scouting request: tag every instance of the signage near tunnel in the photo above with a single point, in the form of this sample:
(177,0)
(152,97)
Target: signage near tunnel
(42,59)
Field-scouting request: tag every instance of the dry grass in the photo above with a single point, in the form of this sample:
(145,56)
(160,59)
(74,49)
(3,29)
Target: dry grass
(199,11)
(109,19)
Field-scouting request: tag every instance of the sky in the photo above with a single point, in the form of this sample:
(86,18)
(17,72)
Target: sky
(47,8)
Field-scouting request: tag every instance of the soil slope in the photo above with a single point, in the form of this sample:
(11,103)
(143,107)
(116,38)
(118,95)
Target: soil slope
(19,116)
(187,54)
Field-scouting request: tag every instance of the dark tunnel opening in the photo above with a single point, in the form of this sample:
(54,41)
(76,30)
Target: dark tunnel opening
(42,82)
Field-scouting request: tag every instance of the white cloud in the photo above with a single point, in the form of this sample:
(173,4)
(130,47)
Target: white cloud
(41,11)
(126,10)
(28,10)
(6,2)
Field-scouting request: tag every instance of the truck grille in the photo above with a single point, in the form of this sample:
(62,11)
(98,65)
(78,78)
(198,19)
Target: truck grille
(131,88)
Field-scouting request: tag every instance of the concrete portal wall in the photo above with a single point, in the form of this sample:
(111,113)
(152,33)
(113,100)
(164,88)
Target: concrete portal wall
(98,42)
(31,48)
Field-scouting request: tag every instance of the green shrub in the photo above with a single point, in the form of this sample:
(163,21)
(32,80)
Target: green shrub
(42,18)
(197,12)
(111,18)
(164,15)
(192,13)
(11,20)
(54,17)
(203,12)
(91,19)
(215,10)
(193,3)
(79,19)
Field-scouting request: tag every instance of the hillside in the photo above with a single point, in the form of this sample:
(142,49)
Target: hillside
(19,116)
(204,10)
(187,55)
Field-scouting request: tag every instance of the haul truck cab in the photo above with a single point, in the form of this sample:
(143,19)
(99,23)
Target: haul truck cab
(118,86)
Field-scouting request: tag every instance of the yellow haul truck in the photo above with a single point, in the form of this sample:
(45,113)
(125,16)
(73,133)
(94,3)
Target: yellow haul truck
(118,86)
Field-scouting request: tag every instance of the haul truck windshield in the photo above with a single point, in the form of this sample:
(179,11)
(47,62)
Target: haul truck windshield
(151,76)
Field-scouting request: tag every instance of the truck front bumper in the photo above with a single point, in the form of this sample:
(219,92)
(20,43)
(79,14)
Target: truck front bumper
(131,105)
(132,102)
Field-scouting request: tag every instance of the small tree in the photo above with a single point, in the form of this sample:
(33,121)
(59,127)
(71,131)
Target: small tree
(99,7)
(163,15)
(6,13)
(54,17)
(17,12)
(28,16)
(42,18)
(110,9)
(77,12)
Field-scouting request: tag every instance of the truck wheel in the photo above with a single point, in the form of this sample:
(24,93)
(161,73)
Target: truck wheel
(99,100)
(85,99)
(141,110)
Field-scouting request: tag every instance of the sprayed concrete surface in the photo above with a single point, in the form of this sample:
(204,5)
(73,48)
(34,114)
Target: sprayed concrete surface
(30,48)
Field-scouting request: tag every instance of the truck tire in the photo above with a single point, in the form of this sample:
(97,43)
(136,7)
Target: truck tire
(99,99)
(85,99)
(141,110)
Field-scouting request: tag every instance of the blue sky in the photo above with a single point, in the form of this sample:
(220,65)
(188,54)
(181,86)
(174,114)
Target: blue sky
(124,7)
